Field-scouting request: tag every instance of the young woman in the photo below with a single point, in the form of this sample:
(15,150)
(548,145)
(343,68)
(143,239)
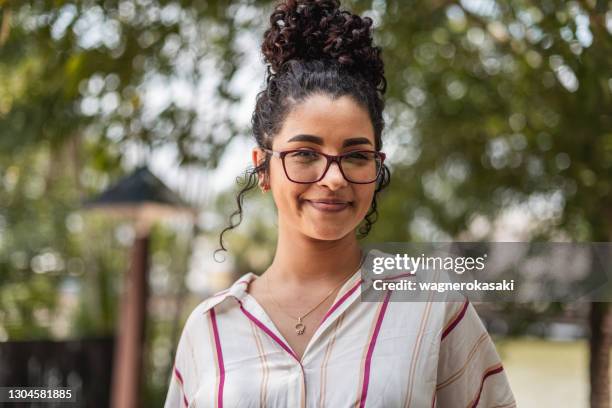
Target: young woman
(298,334)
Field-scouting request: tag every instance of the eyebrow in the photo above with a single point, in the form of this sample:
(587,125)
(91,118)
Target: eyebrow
(319,140)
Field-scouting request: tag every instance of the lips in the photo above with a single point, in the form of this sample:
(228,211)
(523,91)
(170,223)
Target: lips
(328,205)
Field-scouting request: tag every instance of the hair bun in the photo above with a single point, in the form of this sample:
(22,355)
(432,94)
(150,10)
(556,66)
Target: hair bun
(320,30)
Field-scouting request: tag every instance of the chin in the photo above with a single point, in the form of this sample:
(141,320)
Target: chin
(328,232)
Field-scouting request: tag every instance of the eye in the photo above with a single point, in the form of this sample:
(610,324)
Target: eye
(359,156)
(304,154)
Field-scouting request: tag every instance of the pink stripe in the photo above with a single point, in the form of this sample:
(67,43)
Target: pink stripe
(269,332)
(484,377)
(456,321)
(381,315)
(180,378)
(178,375)
(341,300)
(219,357)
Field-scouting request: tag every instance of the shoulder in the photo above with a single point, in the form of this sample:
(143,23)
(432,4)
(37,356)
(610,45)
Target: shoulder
(454,314)
(204,308)
(219,301)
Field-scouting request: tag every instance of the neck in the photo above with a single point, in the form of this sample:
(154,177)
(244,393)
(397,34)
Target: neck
(305,262)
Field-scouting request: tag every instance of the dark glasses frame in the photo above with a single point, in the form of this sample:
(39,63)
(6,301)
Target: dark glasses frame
(330,159)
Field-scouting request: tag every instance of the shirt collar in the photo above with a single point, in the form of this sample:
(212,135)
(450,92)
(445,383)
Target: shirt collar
(238,289)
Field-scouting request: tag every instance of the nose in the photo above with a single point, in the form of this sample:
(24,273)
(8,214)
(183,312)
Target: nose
(333,179)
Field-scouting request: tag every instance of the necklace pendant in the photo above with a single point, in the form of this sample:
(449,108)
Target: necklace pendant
(299,327)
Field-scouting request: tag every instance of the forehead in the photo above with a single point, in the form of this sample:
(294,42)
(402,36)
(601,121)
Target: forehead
(332,120)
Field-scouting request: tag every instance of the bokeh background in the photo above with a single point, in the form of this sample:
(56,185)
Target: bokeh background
(499,127)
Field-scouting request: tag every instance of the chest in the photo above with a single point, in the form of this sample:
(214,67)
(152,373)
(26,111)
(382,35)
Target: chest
(296,333)
(348,364)
(296,316)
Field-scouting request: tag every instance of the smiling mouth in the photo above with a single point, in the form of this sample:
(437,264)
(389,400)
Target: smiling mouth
(329,205)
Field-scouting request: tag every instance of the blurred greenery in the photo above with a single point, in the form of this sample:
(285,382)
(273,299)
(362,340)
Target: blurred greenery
(560,366)
(492,106)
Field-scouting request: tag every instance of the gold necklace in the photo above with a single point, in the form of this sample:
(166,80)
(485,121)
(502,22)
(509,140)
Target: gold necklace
(299,326)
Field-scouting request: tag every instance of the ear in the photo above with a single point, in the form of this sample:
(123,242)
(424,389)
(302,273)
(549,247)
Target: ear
(258,157)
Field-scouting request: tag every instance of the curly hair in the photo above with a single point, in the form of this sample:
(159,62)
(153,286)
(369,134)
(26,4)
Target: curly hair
(314,47)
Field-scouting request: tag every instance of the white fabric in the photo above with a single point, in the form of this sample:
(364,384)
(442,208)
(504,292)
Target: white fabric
(364,354)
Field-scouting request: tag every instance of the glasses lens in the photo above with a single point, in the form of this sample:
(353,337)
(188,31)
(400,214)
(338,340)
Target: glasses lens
(305,166)
(361,167)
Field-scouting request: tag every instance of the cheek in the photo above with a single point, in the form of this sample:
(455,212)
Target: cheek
(364,195)
(285,192)
(287,196)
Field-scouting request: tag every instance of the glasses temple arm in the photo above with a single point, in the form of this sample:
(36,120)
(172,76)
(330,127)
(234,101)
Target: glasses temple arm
(272,152)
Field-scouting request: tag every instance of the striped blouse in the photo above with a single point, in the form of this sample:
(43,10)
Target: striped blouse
(363,354)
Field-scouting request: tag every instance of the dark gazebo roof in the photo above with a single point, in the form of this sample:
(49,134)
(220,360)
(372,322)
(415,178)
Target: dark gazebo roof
(140,187)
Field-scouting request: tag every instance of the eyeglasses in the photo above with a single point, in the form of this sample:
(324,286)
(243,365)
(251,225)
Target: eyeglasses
(309,166)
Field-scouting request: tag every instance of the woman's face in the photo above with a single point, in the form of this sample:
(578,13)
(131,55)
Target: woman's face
(332,207)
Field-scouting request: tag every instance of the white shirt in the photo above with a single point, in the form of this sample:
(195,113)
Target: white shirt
(363,354)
